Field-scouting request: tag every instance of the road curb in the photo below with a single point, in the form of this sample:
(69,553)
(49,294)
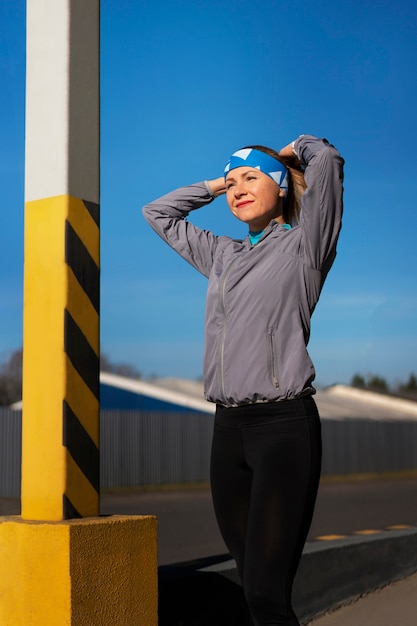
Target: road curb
(207,592)
(332,573)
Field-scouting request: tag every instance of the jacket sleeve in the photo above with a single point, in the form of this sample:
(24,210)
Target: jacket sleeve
(322,202)
(167,216)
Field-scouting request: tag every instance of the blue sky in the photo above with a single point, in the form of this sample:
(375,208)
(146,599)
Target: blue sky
(185,83)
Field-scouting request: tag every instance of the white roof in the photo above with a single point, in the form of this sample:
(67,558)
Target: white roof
(178,391)
(337,402)
(342,401)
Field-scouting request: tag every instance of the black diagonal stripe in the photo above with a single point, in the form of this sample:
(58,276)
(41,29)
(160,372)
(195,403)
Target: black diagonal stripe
(69,510)
(81,354)
(81,447)
(83,265)
(94,210)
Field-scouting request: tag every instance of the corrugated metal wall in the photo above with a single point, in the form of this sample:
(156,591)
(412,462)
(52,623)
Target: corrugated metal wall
(10,452)
(356,446)
(150,448)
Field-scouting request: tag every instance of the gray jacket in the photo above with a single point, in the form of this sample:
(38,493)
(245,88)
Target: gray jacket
(260,298)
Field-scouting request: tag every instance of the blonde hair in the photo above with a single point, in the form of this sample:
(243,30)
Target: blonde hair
(296,184)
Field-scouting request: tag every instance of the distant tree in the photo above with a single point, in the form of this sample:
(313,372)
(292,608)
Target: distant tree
(11,379)
(358,381)
(377,383)
(11,375)
(410,385)
(121,369)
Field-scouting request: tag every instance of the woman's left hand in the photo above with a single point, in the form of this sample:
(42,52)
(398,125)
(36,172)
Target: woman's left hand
(288,151)
(217,186)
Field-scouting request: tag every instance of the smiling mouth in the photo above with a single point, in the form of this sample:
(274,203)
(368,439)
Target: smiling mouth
(243,204)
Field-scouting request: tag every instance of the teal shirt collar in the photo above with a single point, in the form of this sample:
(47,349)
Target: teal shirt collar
(255,237)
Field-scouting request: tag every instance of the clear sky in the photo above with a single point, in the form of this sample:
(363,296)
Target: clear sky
(185,83)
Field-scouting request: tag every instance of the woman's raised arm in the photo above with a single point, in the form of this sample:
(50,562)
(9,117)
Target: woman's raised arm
(322,202)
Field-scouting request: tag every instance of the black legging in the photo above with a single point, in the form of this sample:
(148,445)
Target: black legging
(265,470)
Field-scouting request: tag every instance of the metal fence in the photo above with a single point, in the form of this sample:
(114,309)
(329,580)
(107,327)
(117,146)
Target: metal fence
(356,446)
(10,452)
(151,448)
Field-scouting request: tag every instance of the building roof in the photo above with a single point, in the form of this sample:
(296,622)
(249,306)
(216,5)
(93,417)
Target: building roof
(337,402)
(177,394)
(342,401)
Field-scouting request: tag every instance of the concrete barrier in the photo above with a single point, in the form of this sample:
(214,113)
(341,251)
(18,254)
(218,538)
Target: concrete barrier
(207,591)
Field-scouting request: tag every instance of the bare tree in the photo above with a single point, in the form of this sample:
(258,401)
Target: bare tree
(11,375)
(122,369)
(11,379)
(409,389)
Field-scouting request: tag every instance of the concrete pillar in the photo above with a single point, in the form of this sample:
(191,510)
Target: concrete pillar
(60,563)
(60,467)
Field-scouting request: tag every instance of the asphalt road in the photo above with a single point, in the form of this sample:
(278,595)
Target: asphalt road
(187,530)
(187,527)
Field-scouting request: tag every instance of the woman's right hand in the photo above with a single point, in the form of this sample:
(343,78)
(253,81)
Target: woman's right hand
(217,186)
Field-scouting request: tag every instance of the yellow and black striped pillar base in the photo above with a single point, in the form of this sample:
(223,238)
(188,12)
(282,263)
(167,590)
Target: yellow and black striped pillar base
(60,469)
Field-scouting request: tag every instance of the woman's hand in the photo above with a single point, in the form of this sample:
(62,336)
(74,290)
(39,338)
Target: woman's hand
(288,151)
(217,186)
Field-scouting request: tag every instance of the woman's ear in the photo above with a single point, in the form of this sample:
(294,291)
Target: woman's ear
(281,193)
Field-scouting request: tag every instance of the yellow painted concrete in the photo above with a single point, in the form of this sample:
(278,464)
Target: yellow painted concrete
(83,402)
(82,311)
(330,537)
(85,227)
(399,527)
(91,572)
(79,489)
(43,476)
(48,377)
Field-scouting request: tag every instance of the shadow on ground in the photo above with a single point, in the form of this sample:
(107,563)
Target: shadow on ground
(188,597)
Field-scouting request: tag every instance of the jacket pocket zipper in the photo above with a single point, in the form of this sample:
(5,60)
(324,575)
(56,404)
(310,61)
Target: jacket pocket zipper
(274,360)
(223,338)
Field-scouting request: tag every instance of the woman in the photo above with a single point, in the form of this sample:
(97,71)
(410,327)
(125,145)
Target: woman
(266,451)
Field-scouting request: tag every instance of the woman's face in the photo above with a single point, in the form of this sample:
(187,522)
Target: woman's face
(253,197)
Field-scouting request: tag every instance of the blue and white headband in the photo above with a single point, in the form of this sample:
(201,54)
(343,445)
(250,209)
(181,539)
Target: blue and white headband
(250,157)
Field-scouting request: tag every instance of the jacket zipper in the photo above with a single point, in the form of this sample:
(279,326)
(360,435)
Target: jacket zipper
(222,291)
(274,360)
